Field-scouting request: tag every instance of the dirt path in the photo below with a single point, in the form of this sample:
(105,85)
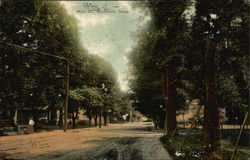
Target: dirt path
(116,141)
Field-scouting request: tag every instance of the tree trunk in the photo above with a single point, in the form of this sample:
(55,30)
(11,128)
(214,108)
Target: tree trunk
(170,101)
(60,122)
(90,118)
(211,110)
(105,120)
(95,118)
(105,116)
(183,119)
(73,120)
(35,116)
(53,115)
(100,119)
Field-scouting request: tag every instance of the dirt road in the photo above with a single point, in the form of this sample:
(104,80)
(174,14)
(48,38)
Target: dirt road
(114,142)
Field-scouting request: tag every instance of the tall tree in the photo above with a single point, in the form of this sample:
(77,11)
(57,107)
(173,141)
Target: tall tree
(41,26)
(215,35)
(164,47)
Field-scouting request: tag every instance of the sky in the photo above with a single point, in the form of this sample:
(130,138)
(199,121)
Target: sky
(108,32)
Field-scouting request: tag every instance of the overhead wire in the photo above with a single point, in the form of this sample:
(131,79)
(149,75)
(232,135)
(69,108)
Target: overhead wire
(39,52)
(51,55)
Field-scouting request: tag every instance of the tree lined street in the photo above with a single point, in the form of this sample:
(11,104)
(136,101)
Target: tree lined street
(83,70)
(127,141)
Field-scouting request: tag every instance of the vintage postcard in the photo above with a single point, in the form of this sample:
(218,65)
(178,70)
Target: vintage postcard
(124,80)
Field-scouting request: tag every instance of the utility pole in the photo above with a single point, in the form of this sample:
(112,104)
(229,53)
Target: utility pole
(100,118)
(66,98)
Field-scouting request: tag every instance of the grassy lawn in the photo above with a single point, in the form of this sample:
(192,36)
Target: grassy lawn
(192,149)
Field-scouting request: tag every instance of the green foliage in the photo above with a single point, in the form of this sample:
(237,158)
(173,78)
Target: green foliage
(29,79)
(121,106)
(89,99)
(172,38)
(164,41)
(226,22)
(192,148)
(42,26)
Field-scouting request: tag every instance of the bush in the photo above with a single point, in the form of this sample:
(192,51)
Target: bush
(82,123)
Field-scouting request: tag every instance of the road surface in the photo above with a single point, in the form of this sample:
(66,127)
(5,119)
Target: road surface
(135,141)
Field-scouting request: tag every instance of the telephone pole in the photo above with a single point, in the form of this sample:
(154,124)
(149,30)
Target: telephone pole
(66,98)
